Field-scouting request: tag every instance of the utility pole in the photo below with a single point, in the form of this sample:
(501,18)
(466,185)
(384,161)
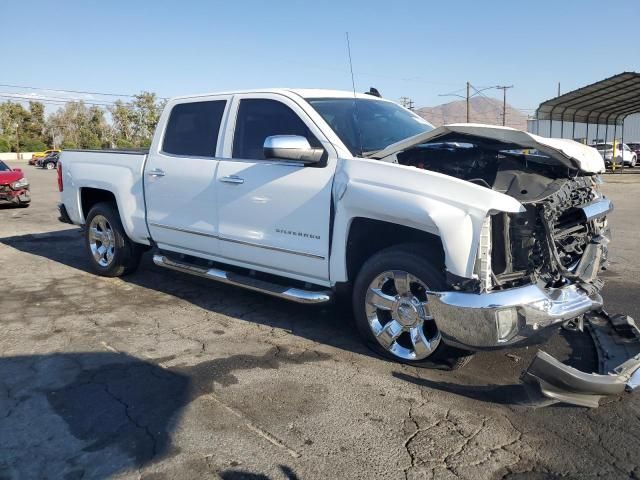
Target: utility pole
(406,102)
(468,86)
(504,101)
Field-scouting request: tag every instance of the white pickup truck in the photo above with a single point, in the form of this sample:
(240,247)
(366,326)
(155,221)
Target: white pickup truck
(464,237)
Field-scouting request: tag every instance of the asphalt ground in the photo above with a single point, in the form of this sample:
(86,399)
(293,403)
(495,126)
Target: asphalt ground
(160,375)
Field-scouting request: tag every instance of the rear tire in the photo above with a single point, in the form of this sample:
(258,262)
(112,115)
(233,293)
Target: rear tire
(111,252)
(391,309)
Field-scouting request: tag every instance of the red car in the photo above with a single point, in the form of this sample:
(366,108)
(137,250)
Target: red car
(14,187)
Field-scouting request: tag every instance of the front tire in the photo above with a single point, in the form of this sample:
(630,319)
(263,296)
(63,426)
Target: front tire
(391,308)
(633,163)
(50,166)
(111,252)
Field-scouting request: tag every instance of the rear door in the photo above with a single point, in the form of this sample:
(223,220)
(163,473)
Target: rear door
(179,176)
(274,215)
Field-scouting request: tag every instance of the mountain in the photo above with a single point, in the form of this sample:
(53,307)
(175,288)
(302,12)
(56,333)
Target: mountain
(482,110)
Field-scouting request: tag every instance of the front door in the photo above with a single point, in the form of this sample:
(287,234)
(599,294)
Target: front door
(274,214)
(179,178)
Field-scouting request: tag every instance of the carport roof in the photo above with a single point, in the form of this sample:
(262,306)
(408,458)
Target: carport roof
(608,101)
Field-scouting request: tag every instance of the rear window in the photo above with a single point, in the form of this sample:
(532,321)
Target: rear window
(193,129)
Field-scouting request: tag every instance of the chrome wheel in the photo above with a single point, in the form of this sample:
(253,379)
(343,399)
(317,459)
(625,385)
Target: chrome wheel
(102,241)
(398,315)
(50,166)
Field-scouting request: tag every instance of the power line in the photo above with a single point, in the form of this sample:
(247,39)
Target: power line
(71,91)
(43,99)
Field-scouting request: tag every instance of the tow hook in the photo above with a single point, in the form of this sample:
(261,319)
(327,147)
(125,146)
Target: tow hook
(617,341)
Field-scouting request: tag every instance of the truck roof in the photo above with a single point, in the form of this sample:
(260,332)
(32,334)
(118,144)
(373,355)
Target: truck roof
(301,92)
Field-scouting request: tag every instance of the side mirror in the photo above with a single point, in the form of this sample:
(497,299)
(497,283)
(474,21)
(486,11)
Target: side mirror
(291,147)
(17,170)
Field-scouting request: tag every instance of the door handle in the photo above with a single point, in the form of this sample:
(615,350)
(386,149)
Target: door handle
(232,179)
(156,172)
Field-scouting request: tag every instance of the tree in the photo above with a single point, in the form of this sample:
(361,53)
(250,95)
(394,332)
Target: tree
(123,120)
(75,125)
(5,145)
(13,117)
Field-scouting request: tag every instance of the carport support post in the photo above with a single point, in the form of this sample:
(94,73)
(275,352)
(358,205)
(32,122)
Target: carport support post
(586,136)
(613,146)
(622,141)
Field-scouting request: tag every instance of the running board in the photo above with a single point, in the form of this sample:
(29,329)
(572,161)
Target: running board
(297,295)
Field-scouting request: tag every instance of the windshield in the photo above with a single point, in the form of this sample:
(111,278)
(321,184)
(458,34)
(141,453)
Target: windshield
(603,146)
(4,167)
(379,123)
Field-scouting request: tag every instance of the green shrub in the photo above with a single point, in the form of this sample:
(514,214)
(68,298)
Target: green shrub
(5,146)
(32,145)
(123,143)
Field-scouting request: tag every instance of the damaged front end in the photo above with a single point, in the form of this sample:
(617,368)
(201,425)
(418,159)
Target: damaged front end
(562,239)
(537,268)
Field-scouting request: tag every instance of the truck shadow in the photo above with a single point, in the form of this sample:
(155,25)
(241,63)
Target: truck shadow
(94,414)
(329,325)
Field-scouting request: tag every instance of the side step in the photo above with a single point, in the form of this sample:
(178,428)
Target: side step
(297,295)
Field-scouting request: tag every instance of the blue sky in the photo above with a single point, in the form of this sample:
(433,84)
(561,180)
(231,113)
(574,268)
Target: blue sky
(417,49)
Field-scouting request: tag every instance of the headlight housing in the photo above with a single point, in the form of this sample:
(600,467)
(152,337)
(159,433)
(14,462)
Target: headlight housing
(20,184)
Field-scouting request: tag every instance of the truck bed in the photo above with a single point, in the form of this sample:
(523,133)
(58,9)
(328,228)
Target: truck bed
(117,171)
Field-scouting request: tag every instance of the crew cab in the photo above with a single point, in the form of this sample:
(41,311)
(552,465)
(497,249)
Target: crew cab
(449,240)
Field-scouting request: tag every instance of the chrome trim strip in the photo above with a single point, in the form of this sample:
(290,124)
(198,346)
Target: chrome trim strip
(288,293)
(183,230)
(277,249)
(240,242)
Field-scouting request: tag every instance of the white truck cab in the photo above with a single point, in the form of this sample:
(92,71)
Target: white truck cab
(464,237)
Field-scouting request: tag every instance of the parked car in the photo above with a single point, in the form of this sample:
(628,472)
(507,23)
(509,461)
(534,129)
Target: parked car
(624,155)
(635,148)
(49,162)
(14,187)
(38,155)
(308,194)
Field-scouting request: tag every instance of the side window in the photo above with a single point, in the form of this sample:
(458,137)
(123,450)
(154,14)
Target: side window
(193,128)
(261,118)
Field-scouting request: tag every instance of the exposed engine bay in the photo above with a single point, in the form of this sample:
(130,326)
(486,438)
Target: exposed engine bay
(561,237)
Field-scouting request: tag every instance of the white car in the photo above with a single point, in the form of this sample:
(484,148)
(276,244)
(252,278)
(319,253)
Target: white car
(624,155)
(465,245)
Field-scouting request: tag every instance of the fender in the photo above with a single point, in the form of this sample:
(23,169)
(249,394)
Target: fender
(451,208)
(123,181)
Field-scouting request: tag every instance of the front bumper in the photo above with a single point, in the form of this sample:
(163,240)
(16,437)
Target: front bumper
(616,339)
(471,321)
(7,194)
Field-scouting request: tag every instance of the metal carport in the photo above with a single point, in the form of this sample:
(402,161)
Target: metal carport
(607,102)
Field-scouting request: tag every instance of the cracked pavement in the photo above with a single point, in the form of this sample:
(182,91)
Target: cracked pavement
(159,375)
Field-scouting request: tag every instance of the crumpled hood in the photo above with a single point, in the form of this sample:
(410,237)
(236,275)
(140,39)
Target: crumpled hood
(567,152)
(10,176)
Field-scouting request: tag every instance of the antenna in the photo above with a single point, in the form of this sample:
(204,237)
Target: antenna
(355,102)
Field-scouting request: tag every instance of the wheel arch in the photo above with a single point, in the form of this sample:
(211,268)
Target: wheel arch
(368,236)
(89,197)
